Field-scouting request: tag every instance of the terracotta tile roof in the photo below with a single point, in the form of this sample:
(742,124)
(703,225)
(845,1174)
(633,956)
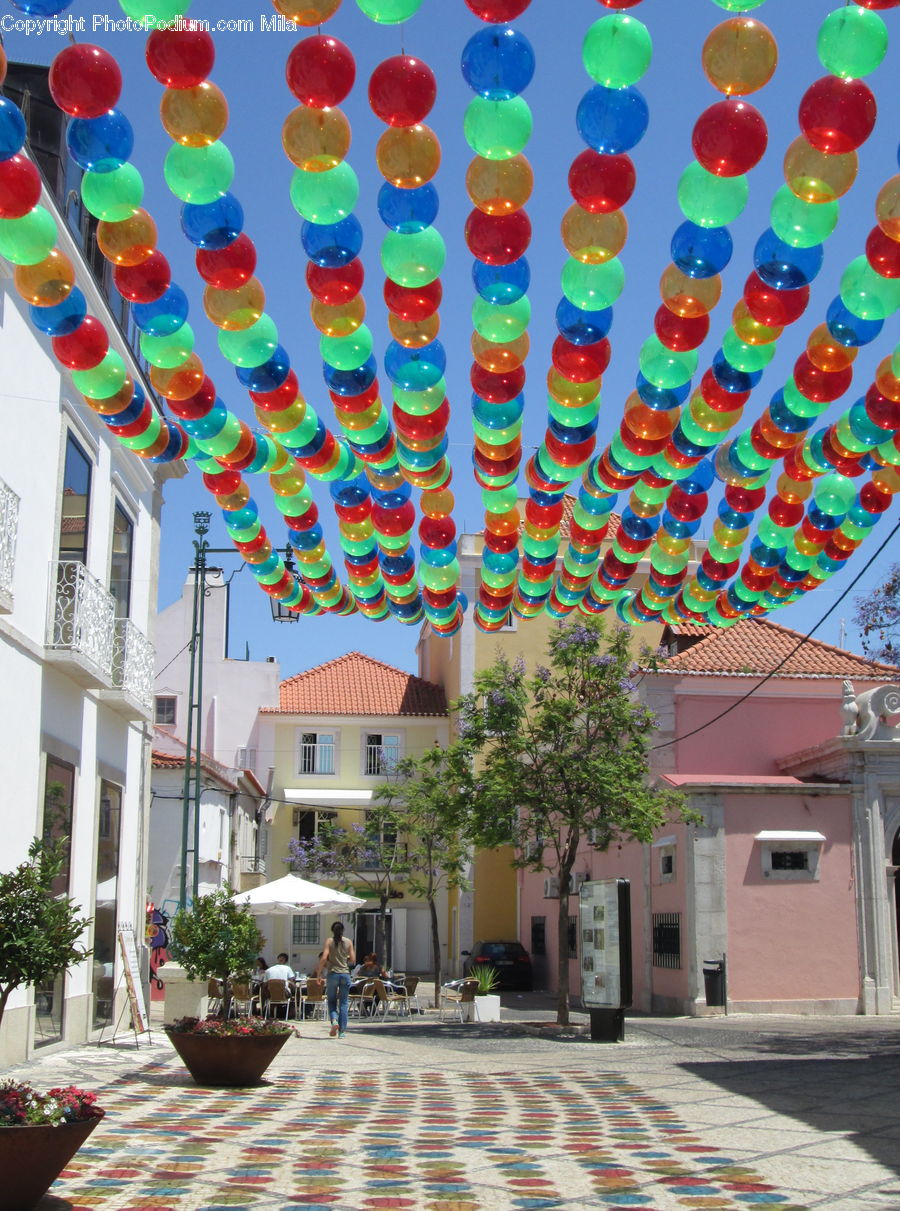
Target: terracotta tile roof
(755,646)
(359,685)
(171,755)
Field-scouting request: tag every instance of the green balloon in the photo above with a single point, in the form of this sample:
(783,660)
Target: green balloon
(798,404)
(325,197)
(668,565)
(847,437)
(800,223)
(500,500)
(373,432)
(852,42)
(866,293)
(113,196)
(225,440)
(496,437)
(140,441)
(665,367)
(834,494)
(389,12)
(617,50)
(649,495)
(415,259)
(199,174)
(498,580)
(627,458)
(697,434)
(497,130)
(711,201)
(102,381)
(738,6)
(28,240)
(394,542)
(573,416)
(748,456)
(500,322)
(251,346)
(592,287)
(302,433)
(774,535)
(421,403)
(747,357)
(347,352)
(169,351)
(153,13)
(895,362)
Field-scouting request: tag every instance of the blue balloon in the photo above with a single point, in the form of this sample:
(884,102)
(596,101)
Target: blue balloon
(423,460)
(783,267)
(42,8)
(332,244)
(406,610)
(415,369)
(62,318)
(396,565)
(498,62)
(699,480)
(685,446)
(732,518)
(785,418)
(662,399)
(701,252)
(501,284)
(678,528)
(730,378)
(269,375)
(638,527)
(12,129)
(174,446)
(408,210)
(372,447)
(131,412)
(393,498)
(612,120)
(214,225)
(100,144)
(582,327)
(164,315)
(208,425)
(850,329)
(497,416)
(822,520)
(349,493)
(572,434)
(314,445)
(307,540)
(350,382)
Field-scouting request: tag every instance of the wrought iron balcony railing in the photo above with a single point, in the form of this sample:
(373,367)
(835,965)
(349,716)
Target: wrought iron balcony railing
(9,525)
(251,865)
(132,664)
(81,622)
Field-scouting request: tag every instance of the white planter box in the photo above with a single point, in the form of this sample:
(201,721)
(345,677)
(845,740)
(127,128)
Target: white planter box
(487,1008)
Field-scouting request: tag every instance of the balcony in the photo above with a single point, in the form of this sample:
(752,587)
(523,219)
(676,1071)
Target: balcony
(381,760)
(132,672)
(9,524)
(81,625)
(252,872)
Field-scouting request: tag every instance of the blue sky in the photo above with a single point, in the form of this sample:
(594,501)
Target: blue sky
(250,70)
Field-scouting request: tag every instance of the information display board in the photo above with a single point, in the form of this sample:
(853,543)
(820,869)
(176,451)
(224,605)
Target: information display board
(140,1019)
(605,943)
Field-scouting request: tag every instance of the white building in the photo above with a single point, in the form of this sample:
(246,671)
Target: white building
(79,533)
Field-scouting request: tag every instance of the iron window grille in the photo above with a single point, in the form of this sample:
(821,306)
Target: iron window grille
(667,939)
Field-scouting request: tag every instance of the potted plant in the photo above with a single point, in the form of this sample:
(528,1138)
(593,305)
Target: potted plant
(215,939)
(39,1135)
(487,1004)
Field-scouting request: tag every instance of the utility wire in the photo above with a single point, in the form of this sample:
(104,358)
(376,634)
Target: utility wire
(792,652)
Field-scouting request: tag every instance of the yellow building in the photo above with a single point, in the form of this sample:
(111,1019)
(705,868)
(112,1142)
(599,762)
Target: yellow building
(332,740)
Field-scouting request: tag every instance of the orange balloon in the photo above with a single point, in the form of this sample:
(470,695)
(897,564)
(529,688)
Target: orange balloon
(503,523)
(181,382)
(315,140)
(689,297)
(593,238)
(288,482)
(887,479)
(233,501)
(886,381)
(739,56)
(794,491)
(887,208)
(500,358)
(499,186)
(828,354)
(48,282)
(776,436)
(644,508)
(751,331)
(339,320)
(414,334)
(114,403)
(194,117)
(649,423)
(307,12)
(498,454)
(128,242)
(569,394)
(357,531)
(235,310)
(437,503)
(816,177)
(408,156)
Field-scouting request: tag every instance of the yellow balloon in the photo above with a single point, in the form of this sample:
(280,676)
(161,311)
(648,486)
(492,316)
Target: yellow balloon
(315,140)
(307,12)
(128,242)
(499,359)
(340,320)
(689,297)
(593,238)
(48,282)
(414,334)
(408,156)
(235,310)
(751,331)
(194,117)
(179,382)
(740,56)
(816,177)
(499,186)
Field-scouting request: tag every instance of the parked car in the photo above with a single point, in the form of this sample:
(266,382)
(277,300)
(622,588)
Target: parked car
(510,960)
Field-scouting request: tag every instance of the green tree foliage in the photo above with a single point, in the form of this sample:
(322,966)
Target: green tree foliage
(39,930)
(216,939)
(561,757)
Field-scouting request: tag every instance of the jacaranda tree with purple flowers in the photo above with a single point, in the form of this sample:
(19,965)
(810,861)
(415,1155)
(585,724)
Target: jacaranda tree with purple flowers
(561,756)
(878,617)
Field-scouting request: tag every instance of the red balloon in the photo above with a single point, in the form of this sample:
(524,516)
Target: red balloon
(786,512)
(881,411)
(821,386)
(144,283)
(496,388)
(497,10)
(85,80)
(601,183)
(396,521)
(878,4)
(680,332)
(498,239)
(334,286)
(20,187)
(225,484)
(837,115)
(717,397)
(437,532)
(413,303)
(357,403)
(581,363)
(569,454)
(624,3)
(182,57)
(775,308)
(229,267)
(419,427)
(872,500)
(84,348)
(716,570)
(685,506)
(495,466)
(882,253)
(762,445)
(196,405)
(501,543)
(729,137)
(544,516)
(280,397)
(320,71)
(402,90)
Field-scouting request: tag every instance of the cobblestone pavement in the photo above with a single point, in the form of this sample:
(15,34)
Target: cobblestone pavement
(730,1113)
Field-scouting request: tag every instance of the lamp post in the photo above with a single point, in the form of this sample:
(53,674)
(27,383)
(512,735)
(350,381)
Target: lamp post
(280,612)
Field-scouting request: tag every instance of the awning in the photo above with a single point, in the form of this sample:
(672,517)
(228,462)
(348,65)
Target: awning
(776,835)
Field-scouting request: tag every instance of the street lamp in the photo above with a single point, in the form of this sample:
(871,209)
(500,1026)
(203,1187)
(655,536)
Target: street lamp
(280,612)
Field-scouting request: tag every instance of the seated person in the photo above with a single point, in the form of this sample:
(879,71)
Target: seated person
(258,976)
(369,968)
(280,970)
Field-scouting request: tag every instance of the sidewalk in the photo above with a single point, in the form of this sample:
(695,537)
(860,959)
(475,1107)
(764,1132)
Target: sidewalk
(729,1113)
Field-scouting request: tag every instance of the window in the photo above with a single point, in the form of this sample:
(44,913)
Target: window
(164,713)
(105,903)
(308,822)
(538,935)
(790,859)
(382,752)
(49,994)
(790,856)
(317,753)
(245,758)
(572,932)
(120,571)
(73,526)
(667,939)
(305,931)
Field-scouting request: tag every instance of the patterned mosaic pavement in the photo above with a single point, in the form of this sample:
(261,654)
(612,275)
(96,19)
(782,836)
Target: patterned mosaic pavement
(420,1139)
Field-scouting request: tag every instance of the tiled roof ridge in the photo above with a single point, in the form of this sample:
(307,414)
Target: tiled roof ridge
(320,668)
(358,684)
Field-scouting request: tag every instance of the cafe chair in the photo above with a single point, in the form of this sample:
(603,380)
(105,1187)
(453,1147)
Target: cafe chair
(243,999)
(355,999)
(279,998)
(453,997)
(411,983)
(315,996)
(389,998)
(214,992)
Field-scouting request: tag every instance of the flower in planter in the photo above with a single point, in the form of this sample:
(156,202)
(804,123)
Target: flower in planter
(230,1028)
(21,1105)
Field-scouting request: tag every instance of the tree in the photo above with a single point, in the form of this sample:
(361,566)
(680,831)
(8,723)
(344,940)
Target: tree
(369,854)
(39,930)
(878,617)
(562,756)
(419,794)
(216,939)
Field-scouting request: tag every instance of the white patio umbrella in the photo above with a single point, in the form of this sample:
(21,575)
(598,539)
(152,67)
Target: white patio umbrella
(291,895)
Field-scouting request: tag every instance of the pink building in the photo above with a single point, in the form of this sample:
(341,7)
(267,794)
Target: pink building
(790,879)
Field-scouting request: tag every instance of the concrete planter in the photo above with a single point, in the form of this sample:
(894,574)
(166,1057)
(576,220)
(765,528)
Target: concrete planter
(32,1158)
(230,1061)
(486,1008)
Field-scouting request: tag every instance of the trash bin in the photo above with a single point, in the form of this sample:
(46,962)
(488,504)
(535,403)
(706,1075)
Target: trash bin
(714,979)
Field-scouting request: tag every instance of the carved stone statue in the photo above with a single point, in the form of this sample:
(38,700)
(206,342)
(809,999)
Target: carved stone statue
(865,715)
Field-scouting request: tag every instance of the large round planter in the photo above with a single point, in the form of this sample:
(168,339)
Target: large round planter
(230,1060)
(32,1158)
